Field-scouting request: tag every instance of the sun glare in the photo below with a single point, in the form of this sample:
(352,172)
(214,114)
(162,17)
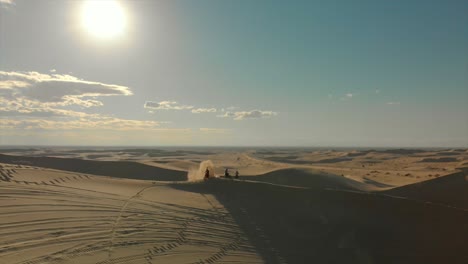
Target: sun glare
(103,19)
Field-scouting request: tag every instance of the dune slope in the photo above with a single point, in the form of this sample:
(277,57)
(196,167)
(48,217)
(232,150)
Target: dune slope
(309,178)
(294,225)
(102,220)
(53,216)
(451,189)
(117,169)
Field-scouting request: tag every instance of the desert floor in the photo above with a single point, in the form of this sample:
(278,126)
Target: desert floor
(122,205)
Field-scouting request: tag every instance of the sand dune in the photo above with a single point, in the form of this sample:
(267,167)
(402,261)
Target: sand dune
(330,226)
(451,189)
(310,179)
(118,169)
(107,220)
(56,210)
(444,159)
(385,168)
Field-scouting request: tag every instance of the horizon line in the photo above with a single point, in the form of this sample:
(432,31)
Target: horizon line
(234,146)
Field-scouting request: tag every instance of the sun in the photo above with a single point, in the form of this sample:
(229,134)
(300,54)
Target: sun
(103,18)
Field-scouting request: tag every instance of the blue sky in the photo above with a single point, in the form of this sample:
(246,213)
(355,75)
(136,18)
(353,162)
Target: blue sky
(296,73)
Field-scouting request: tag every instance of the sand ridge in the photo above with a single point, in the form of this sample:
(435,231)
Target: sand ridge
(105,220)
(289,206)
(381,169)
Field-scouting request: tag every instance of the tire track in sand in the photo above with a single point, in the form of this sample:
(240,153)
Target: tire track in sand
(117,220)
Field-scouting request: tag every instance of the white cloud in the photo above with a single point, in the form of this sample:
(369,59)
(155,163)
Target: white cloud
(230,108)
(24,114)
(32,100)
(203,110)
(98,122)
(393,103)
(173,105)
(56,89)
(34,95)
(214,130)
(6,2)
(238,115)
(166,105)
(347,96)
(253,114)
(227,114)
(9,84)
(26,108)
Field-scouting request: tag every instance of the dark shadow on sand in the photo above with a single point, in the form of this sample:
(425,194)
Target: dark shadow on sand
(442,159)
(296,225)
(118,169)
(451,190)
(309,179)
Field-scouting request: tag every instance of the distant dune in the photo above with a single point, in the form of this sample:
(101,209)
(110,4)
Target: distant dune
(54,210)
(334,160)
(118,169)
(451,189)
(310,179)
(402,151)
(443,159)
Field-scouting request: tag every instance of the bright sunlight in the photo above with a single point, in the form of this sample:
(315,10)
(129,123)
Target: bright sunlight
(103,19)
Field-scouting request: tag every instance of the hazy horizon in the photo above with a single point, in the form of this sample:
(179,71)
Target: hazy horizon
(362,74)
(181,147)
